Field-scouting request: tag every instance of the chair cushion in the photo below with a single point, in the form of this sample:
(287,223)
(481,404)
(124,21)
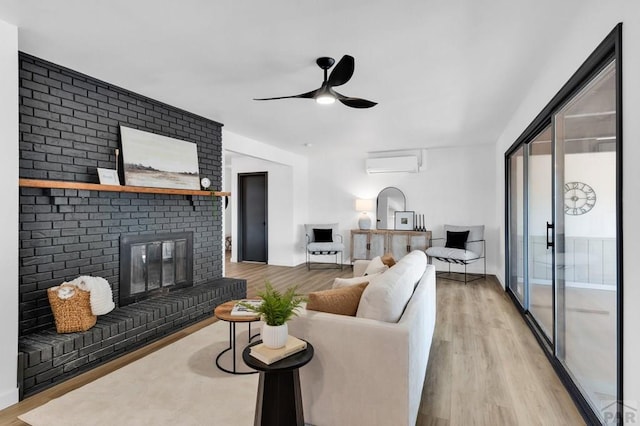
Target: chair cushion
(308,229)
(476,233)
(452,253)
(322,235)
(347,282)
(456,239)
(325,247)
(341,301)
(386,296)
(375,266)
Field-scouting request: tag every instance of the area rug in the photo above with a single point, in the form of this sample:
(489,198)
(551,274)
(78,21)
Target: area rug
(176,385)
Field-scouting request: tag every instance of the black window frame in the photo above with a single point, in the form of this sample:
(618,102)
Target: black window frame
(608,50)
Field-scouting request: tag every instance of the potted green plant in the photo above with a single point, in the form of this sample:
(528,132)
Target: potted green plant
(275,310)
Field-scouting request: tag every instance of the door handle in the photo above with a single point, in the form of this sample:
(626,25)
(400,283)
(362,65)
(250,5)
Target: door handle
(549,242)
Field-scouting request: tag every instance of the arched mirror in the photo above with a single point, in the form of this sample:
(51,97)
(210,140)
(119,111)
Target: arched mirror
(390,200)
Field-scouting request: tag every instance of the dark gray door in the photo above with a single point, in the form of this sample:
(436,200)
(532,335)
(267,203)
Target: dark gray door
(252,213)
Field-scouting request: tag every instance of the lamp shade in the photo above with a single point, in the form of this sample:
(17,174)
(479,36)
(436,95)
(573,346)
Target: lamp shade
(364,205)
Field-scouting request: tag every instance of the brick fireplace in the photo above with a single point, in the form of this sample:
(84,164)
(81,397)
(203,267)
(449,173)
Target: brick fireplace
(154,264)
(69,126)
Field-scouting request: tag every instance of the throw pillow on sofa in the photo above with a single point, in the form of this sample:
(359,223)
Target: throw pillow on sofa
(346,282)
(375,266)
(388,259)
(341,301)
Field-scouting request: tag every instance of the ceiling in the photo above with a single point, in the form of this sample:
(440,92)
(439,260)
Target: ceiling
(444,72)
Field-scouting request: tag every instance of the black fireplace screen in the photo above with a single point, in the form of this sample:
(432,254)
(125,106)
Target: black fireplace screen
(154,264)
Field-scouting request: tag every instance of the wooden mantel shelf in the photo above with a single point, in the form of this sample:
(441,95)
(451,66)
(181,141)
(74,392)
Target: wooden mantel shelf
(60,184)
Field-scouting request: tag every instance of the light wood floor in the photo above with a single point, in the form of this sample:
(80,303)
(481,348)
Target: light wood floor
(282,277)
(485,366)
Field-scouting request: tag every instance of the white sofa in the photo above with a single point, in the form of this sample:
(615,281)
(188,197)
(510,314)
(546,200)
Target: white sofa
(367,371)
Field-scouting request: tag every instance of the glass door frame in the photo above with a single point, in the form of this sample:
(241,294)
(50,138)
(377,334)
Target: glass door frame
(610,49)
(524,305)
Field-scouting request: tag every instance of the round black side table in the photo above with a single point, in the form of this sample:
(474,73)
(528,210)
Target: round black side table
(279,401)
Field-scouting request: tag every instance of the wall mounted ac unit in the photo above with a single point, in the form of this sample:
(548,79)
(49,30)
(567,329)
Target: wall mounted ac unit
(405,164)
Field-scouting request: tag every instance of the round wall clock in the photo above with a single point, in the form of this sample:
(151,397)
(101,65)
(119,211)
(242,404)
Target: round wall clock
(205,182)
(579,198)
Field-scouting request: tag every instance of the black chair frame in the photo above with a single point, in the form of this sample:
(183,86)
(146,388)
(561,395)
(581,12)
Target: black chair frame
(324,253)
(468,277)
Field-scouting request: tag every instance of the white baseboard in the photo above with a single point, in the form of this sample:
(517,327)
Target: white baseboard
(9,397)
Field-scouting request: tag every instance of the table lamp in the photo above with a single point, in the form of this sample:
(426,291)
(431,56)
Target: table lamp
(364,206)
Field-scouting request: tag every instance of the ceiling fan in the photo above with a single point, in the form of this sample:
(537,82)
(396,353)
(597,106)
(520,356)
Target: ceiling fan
(339,75)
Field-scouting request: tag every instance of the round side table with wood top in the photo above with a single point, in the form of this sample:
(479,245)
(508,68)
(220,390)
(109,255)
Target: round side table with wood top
(223,312)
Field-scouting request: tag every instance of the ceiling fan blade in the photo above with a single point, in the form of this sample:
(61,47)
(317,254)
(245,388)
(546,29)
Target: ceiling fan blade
(358,103)
(308,95)
(355,102)
(342,72)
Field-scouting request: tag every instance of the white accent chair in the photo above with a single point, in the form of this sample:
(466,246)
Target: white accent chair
(474,250)
(331,245)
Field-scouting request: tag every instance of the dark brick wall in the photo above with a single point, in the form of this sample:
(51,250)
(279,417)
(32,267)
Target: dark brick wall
(48,357)
(69,125)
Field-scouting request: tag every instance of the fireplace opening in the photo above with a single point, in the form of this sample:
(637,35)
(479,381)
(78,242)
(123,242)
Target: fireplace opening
(151,265)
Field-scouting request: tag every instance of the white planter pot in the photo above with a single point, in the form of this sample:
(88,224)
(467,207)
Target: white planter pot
(275,336)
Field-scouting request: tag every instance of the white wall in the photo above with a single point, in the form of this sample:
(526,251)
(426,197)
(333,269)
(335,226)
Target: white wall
(597,20)
(9,213)
(226,186)
(281,233)
(456,187)
(287,195)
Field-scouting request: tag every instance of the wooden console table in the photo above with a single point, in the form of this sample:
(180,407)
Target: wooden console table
(369,243)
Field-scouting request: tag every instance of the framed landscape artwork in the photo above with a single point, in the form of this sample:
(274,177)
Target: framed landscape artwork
(158,161)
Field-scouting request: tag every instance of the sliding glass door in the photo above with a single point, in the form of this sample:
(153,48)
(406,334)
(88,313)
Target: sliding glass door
(540,215)
(585,235)
(516,223)
(563,233)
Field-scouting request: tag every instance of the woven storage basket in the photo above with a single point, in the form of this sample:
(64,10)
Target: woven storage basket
(72,314)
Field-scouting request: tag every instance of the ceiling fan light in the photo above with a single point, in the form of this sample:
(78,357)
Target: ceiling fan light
(325,99)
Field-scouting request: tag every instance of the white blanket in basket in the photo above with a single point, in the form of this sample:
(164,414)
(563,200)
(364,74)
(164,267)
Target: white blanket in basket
(100,296)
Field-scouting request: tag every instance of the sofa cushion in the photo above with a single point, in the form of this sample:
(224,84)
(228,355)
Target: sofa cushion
(341,301)
(346,282)
(359,266)
(386,296)
(375,266)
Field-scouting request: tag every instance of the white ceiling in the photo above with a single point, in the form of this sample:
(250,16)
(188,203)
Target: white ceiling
(445,72)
